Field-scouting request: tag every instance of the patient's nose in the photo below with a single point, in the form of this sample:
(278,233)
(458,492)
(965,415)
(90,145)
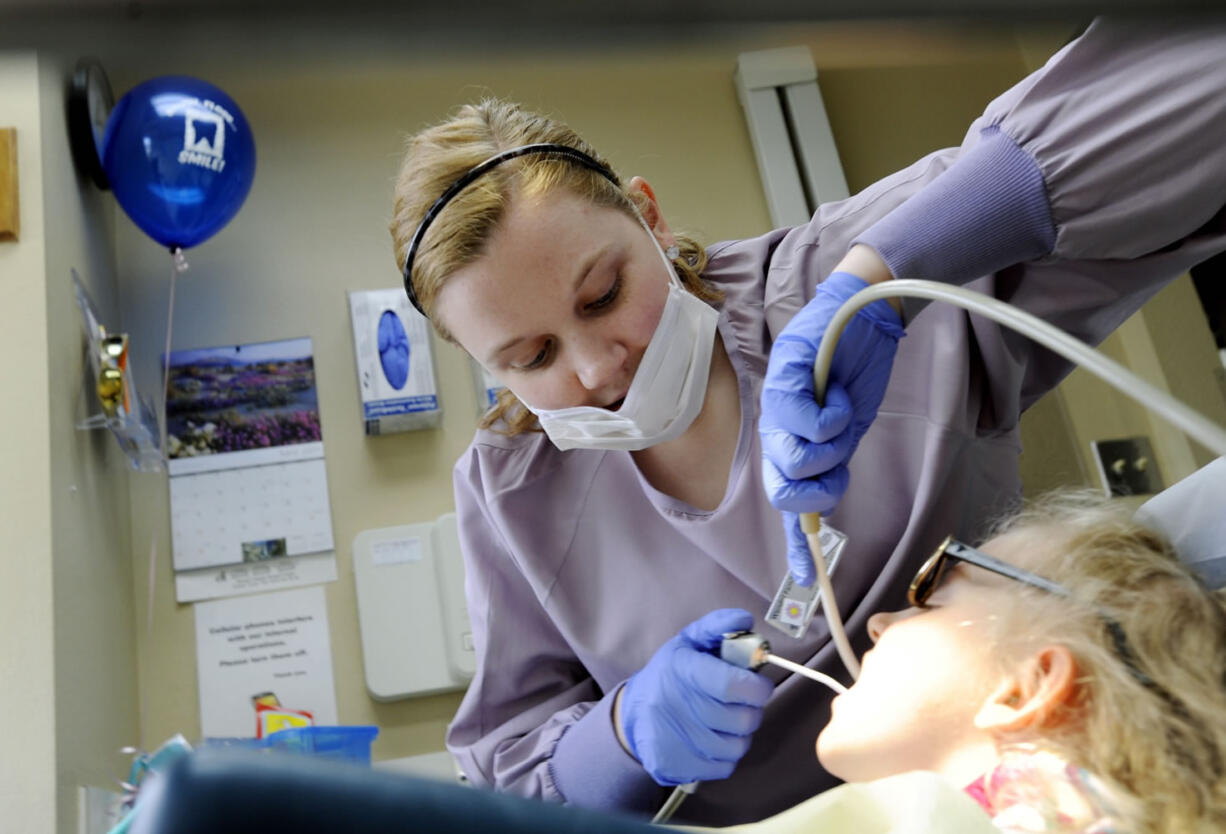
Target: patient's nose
(879,622)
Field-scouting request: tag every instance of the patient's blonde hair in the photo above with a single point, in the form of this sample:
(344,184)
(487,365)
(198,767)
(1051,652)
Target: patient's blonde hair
(439,155)
(1160,748)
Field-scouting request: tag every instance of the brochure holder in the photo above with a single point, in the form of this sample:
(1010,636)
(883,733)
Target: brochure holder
(120,407)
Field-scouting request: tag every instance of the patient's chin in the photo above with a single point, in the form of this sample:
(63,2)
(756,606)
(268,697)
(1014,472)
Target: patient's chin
(830,753)
(849,762)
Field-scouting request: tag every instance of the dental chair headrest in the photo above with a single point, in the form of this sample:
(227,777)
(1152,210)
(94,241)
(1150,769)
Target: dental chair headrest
(1192,516)
(229,792)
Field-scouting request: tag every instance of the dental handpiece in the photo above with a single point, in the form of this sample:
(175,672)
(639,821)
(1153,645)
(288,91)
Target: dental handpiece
(752,651)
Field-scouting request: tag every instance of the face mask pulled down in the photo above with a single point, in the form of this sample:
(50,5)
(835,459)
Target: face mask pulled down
(668,389)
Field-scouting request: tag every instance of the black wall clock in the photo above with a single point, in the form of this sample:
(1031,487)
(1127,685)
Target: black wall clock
(89,104)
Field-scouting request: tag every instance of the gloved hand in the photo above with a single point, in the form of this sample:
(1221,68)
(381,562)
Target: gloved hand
(687,715)
(805,447)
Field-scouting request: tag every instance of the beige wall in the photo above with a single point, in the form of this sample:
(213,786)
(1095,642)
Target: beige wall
(95,653)
(1187,363)
(27,628)
(67,644)
(329,133)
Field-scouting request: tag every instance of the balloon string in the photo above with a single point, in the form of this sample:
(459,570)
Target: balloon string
(179,264)
(153,559)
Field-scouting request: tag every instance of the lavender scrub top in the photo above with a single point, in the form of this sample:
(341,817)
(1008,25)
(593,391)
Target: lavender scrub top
(1077,195)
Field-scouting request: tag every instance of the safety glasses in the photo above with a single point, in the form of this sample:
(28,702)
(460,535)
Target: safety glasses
(929,577)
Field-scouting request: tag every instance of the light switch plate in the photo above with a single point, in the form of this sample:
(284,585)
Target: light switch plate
(1127,466)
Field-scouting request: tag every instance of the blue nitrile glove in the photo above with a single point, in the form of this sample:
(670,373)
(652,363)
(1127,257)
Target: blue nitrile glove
(805,447)
(687,715)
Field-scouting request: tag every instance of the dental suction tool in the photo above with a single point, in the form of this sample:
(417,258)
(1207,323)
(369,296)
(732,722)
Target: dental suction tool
(752,651)
(749,651)
(1196,425)
(1051,337)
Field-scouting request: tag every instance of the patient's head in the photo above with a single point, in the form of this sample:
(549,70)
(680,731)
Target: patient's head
(1125,677)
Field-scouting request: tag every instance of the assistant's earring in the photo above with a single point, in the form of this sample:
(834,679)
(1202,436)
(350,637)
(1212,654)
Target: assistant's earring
(672,252)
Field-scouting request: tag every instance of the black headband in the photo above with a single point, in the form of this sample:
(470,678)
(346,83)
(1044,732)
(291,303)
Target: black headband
(565,151)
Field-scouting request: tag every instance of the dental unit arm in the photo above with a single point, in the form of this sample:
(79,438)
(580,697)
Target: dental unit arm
(750,650)
(1053,338)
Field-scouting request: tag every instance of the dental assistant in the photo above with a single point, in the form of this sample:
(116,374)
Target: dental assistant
(597,550)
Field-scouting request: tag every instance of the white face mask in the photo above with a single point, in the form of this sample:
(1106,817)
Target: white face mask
(668,389)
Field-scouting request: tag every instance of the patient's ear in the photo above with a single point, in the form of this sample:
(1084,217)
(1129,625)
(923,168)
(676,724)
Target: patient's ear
(1028,698)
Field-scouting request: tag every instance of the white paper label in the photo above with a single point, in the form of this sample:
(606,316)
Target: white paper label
(395,552)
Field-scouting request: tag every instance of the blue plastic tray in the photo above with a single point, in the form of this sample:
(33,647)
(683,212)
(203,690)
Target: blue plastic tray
(347,743)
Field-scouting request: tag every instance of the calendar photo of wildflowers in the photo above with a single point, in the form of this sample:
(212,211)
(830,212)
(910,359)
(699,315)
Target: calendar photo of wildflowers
(241,397)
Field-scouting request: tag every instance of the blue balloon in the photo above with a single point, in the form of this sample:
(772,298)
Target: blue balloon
(180,157)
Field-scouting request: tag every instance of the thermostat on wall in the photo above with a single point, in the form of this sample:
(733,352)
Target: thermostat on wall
(416,637)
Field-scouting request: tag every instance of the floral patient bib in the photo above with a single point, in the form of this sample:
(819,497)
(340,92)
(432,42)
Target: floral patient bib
(1040,793)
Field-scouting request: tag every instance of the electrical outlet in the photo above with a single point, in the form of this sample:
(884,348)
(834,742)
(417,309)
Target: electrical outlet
(1127,466)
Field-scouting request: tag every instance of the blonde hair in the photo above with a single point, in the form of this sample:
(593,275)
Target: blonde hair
(1158,747)
(438,155)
